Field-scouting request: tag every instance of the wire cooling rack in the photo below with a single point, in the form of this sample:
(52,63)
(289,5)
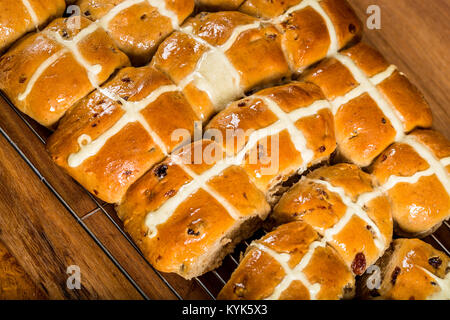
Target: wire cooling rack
(211,282)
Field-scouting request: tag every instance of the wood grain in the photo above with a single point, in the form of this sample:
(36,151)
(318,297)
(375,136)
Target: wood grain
(136,265)
(15,283)
(45,239)
(35,151)
(415,35)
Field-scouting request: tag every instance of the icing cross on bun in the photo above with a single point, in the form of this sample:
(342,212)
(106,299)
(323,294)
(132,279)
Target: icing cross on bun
(110,182)
(46,73)
(348,234)
(205,209)
(298,113)
(125,134)
(222,200)
(243,52)
(247,53)
(137,26)
(415,173)
(373,103)
(118,132)
(332,200)
(290,263)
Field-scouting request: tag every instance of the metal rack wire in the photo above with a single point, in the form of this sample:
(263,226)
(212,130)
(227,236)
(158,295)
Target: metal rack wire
(216,278)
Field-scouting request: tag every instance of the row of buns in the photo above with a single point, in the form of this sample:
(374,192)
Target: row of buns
(49,72)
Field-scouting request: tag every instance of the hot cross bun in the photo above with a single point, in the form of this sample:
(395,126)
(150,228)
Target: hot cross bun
(46,73)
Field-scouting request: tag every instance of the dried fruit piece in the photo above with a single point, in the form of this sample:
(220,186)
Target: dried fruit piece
(359,264)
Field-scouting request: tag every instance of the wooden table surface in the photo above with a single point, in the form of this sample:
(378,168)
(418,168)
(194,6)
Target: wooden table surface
(48,222)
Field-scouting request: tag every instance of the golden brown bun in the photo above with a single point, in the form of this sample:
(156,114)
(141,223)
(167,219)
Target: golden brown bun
(245,53)
(420,198)
(319,273)
(267,9)
(366,123)
(128,154)
(232,177)
(63,81)
(283,152)
(140,28)
(359,231)
(410,270)
(192,227)
(107,169)
(254,56)
(218,5)
(305,35)
(16,19)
